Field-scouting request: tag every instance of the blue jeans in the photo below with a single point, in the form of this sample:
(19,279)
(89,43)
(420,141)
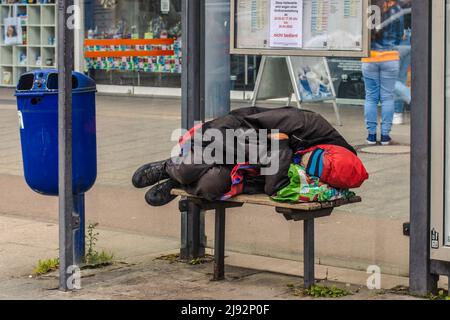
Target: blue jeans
(380,79)
(402,94)
(405,62)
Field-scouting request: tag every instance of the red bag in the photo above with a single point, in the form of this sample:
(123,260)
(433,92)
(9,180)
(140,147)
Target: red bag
(342,169)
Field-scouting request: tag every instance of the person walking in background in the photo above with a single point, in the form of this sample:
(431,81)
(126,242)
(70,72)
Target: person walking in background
(381,70)
(405,62)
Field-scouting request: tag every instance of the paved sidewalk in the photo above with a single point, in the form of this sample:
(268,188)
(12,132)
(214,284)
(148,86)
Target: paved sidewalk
(137,274)
(133,131)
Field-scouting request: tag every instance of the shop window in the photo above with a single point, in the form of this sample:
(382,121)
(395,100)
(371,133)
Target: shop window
(145,62)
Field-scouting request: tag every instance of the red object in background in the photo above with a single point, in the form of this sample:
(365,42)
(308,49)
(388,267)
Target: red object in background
(106,43)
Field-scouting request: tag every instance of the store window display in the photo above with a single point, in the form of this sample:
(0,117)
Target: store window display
(152,25)
(134,42)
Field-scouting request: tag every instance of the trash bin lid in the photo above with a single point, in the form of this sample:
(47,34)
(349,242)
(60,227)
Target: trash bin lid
(46,80)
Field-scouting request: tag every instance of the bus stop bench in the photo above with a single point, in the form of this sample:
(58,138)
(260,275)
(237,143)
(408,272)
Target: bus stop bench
(306,212)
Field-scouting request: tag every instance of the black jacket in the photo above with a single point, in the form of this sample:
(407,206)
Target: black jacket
(304,128)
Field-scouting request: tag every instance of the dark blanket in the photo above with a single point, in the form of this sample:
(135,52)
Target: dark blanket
(304,128)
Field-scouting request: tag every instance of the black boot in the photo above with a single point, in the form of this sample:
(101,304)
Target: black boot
(160,195)
(150,174)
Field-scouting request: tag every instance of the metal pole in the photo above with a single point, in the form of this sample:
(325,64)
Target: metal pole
(308,253)
(191,77)
(192,110)
(216,61)
(421,280)
(80,239)
(67,220)
(219,245)
(202,59)
(79,63)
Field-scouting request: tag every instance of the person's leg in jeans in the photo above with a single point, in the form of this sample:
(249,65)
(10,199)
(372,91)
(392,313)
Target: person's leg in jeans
(388,77)
(405,62)
(399,107)
(371,74)
(402,93)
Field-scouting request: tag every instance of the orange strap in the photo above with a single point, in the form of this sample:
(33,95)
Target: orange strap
(382,56)
(127,42)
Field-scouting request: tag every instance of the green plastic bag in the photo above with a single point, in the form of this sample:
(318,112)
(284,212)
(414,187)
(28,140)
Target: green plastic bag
(308,189)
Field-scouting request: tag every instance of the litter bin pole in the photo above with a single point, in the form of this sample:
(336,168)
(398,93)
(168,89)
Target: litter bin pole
(59,145)
(192,110)
(79,242)
(67,219)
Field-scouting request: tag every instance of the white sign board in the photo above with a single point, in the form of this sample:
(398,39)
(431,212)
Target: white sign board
(286,27)
(301,27)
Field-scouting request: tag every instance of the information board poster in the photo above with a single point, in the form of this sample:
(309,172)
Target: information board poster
(303,25)
(253,22)
(286,23)
(333,24)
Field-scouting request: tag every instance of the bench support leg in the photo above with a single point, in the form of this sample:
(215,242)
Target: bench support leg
(219,245)
(308,253)
(192,232)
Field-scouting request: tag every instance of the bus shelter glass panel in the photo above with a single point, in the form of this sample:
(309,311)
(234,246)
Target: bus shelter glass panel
(447,129)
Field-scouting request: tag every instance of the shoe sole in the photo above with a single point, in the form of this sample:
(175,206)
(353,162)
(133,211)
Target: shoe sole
(386,143)
(160,204)
(371,143)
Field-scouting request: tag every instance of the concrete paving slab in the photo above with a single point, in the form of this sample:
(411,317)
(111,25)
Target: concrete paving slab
(28,241)
(137,275)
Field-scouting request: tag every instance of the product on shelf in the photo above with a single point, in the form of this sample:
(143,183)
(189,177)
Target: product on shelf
(7,77)
(22,58)
(34,43)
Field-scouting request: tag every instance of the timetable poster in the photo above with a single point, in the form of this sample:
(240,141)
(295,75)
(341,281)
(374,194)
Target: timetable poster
(333,24)
(253,24)
(286,24)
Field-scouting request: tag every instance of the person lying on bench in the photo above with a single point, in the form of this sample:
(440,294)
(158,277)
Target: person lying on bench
(296,135)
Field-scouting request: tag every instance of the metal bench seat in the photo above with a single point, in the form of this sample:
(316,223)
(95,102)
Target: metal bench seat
(306,212)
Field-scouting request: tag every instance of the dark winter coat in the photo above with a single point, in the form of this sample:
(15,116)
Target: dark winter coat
(304,128)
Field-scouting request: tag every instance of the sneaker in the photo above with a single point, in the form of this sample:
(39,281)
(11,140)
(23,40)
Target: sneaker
(386,140)
(160,194)
(372,139)
(398,119)
(150,174)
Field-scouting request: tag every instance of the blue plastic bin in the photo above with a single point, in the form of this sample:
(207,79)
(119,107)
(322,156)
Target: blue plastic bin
(37,101)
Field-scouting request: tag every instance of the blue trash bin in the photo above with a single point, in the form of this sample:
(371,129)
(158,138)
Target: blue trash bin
(37,101)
